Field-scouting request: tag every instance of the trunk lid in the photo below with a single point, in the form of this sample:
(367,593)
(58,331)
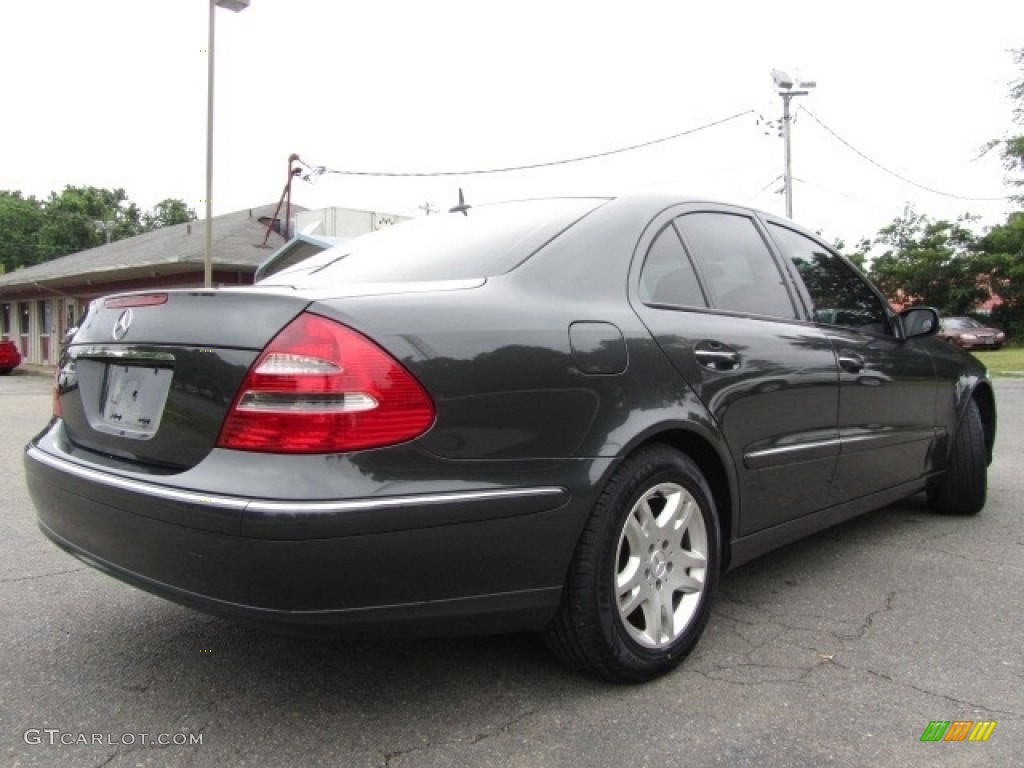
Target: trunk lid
(149,378)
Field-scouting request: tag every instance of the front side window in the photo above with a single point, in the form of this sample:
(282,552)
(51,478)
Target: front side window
(840,295)
(735,262)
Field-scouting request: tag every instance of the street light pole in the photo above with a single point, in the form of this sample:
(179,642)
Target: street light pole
(236,6)
(787,88)
(787,142)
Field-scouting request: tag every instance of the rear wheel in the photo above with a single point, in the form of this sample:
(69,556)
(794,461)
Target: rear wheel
(639,590)
(963,487)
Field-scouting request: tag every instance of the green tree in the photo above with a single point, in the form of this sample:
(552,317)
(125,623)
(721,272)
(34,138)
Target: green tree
(1011,149)
(33,231)
(168,212)
(20,221)
(1002,253)
(928,262)
(1002,247)
(858,255)
(84,217)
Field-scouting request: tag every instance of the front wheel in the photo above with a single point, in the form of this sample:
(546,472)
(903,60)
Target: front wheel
(639,590)
(964,485)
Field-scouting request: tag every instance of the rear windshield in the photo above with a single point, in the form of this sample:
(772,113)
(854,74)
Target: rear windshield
(490,240)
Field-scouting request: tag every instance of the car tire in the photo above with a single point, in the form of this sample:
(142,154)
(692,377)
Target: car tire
(963,487)
(639,590)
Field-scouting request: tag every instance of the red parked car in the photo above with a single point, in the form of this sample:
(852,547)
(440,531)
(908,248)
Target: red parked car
(968,333)
(10,357)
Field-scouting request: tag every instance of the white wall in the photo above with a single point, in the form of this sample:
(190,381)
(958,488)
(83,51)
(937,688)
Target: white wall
(343,222)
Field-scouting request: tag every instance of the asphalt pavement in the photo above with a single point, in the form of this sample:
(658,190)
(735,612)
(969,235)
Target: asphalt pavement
(837,650)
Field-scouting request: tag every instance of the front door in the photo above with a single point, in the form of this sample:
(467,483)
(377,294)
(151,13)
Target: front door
(887,384)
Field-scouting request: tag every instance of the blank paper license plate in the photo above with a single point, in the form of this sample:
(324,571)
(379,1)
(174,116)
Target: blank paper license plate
(134,399)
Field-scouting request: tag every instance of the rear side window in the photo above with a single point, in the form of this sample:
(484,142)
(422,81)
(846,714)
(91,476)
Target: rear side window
(490,240)
(668,276)
(840,295)
(736,264)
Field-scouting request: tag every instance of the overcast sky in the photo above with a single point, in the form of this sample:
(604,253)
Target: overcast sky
(113,93)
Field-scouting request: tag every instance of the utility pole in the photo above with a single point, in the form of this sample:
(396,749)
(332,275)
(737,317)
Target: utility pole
(787,88)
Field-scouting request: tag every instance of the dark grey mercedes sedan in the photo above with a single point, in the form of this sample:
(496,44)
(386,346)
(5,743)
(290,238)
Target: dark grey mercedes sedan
(562,415)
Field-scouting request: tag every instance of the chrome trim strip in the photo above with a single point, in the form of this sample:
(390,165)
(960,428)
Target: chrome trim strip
(136,486)
(236,504)
(854,443)
(99,352)
(770,456)
(398,501)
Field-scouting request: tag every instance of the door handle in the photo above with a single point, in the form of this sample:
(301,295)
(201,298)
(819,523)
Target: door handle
(716,356)
(851,362)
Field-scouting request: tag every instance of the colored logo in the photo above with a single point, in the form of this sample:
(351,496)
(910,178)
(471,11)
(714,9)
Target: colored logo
(958,730)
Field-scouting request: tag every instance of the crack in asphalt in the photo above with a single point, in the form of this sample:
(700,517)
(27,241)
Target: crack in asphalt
(803,673)
(781,621)
(931,550)
(870,619)
(41,576)
(821,657)
(947,553)
(952,699)
(719,670)
(130,749)
(470,740)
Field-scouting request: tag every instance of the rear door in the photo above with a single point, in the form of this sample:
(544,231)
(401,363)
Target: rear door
(887,393)
(726,315)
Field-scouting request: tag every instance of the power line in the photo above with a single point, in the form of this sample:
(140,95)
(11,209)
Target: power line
(765,187)
(837,193)
(319,170)
(902,178)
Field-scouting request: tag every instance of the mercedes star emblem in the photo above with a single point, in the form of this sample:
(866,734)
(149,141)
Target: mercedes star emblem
(124,322)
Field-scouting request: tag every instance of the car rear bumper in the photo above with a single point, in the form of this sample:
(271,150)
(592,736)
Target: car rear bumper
(446,563)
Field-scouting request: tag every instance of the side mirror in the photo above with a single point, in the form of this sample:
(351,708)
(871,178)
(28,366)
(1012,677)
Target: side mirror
(919,321)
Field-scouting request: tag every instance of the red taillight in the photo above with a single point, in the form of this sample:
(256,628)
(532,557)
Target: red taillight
(320,387)
(135,300)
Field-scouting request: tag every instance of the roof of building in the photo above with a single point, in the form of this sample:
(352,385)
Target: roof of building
(237,244)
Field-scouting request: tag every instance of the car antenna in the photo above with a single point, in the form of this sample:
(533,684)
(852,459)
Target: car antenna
(462,207)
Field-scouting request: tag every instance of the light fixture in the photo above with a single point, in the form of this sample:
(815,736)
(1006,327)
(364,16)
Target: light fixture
(788,87)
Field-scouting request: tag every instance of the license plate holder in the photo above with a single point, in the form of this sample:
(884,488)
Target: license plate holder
(134,397)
